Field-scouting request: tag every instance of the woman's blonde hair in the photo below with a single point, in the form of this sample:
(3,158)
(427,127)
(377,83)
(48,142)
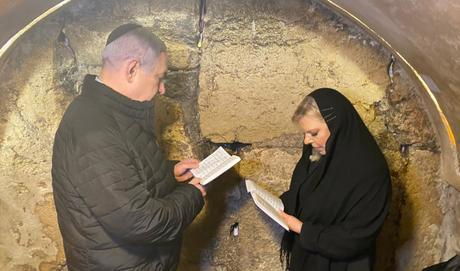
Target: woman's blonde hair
(307,106)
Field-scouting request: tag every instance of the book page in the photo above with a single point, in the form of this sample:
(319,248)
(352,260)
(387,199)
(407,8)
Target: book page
(270,210)
(267,202)
(214,165)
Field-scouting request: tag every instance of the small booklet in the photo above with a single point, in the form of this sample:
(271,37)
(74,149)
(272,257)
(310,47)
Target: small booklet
(214,165)
(267,202)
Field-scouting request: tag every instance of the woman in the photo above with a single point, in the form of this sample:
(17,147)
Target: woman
(340,189)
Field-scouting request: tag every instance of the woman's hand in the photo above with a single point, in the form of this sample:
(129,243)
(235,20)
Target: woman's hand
(293,223)
(182,169)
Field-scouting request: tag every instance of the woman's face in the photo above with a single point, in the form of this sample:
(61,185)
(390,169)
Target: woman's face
(316,132)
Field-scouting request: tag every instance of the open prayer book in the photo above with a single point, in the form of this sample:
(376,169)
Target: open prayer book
(267,202)
(214,165)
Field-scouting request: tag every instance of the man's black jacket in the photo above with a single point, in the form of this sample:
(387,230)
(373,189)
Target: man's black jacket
(119,206)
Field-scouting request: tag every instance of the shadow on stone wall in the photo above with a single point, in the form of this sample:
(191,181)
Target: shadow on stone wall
(389,238)
(225,197)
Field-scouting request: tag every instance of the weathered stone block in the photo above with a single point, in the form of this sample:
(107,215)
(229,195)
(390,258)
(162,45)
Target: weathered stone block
(253,88)
(182,86)
(420,213)
(182,56)
(170,128)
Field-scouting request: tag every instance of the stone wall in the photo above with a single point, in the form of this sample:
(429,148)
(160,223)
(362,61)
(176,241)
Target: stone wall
(30,110)
(259,58)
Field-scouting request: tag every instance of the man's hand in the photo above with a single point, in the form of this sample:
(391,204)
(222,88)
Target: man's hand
(182,169)
(293,223)
(196,182)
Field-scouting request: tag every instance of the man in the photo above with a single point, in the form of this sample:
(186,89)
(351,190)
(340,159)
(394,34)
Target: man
(120,205)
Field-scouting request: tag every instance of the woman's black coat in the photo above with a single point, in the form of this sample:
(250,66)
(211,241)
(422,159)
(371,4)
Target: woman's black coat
(342,199)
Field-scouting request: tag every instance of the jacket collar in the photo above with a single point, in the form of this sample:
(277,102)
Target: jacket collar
(94,89)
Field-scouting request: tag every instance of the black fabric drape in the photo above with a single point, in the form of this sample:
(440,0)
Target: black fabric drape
(451,265)
(342,199)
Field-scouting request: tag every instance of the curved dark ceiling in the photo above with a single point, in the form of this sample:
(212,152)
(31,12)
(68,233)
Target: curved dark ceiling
(424,35)
(16,14)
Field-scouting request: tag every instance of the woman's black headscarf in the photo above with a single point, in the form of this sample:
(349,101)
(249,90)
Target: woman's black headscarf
(343,198)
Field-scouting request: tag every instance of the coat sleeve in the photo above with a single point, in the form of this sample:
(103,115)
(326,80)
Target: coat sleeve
(284,197)
(114,191)
(356,234)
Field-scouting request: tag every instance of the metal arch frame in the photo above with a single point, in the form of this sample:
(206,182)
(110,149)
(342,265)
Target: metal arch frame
(5,47)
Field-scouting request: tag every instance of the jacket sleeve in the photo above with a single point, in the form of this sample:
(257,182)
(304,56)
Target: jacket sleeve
(356,234)
(284,197)
(114,191)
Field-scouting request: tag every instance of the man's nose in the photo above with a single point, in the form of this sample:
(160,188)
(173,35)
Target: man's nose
(162,88)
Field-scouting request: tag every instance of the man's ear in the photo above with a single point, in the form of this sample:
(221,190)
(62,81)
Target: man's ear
(132,70)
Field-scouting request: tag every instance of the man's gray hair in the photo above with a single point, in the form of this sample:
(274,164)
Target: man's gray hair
(139,44)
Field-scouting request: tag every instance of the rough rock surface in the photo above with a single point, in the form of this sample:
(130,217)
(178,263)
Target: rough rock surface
(260,60)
